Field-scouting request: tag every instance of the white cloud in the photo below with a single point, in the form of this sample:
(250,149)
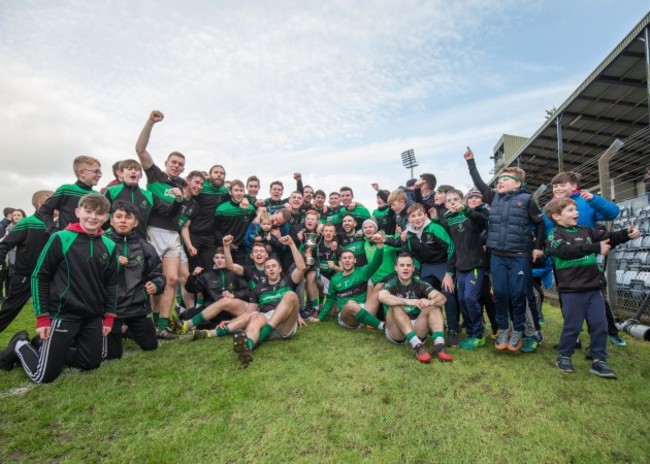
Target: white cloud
(336,90)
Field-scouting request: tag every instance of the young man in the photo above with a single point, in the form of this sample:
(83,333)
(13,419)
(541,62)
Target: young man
(349,206)
(425,190)
(28,238)
(223,291)
(414,311)
(326,254)
(140,275)
(580,281)
(273,308)
(74,294)
(513,214)
(252,189)
(162,231)
(213,194)
(434,255)
(348,290)
(232,218)
(66,198)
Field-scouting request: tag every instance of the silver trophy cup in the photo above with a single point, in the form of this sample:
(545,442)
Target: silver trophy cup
(311,241)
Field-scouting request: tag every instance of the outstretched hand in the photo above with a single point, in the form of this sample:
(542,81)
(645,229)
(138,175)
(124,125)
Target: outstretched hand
(469,154)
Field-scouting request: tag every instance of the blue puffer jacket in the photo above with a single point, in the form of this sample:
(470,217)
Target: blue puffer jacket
(589,212)
(509,223)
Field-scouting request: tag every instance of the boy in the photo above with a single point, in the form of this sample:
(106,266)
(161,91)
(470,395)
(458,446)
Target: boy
(29,238)
(66,198)
(580,281)
(140,275)
(146,203)
(509,239)
(74,294)
(592,209)
(465,227)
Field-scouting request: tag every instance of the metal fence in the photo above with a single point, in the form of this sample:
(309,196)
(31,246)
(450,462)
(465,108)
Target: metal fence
(628,265)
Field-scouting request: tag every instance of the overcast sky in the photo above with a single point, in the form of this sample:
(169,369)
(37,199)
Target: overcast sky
(335,90)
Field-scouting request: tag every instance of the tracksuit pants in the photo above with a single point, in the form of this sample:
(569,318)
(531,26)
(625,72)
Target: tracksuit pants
(576,307)
(470,287)
(510,276)
(46,364)
(141,329)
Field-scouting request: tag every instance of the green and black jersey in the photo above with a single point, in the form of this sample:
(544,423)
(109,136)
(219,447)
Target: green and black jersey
(76,276)
(381,216)
(188,211)
(354,286)
(65,199)
(232,219)
(161,185)
(208,201)
(414,290)
(267,296)
(254,276)
(29,237)
(144,201)
(574,251)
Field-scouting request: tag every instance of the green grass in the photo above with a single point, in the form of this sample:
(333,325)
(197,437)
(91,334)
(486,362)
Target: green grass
(330,395)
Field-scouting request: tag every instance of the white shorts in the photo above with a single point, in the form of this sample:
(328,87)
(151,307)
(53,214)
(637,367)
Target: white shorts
(398,342)
(183,256)
(166,242)
(276,334)
(326,284)
(342,323)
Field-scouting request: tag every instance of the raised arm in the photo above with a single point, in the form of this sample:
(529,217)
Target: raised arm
(143,140)
(299,271)
(485,190)
(230,264)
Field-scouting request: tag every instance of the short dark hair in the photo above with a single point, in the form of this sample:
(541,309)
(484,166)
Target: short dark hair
(319,192)
(194,174)
(252,179)
(8,210)
(430,180)
(345,188)
(445,188)
(571,177)
(176,153)
(128,208)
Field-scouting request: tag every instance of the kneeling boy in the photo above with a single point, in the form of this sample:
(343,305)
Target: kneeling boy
(74,294)
(140,275)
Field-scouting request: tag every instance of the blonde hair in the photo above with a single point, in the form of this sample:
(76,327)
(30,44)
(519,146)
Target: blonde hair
(83,159)
(40,197)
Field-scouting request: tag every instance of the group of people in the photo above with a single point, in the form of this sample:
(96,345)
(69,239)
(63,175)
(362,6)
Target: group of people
(103,267)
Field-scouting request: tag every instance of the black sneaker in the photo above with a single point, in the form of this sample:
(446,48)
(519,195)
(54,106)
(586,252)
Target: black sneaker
(564,364)
(166,334)
(8,356)
(240,345)
(452,338)
(601,369)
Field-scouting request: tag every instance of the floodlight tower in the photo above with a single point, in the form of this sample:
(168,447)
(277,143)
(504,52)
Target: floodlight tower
(408,160)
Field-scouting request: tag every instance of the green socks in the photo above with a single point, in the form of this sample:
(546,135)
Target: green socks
(265,332)
(366,318)
(438,337)
(155,317)
(223,332)
(196,320)
(163,323)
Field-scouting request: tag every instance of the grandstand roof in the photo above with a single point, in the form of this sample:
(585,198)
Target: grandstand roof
(611,103)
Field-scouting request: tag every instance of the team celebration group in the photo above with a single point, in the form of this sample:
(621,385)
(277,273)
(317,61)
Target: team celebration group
(103,267)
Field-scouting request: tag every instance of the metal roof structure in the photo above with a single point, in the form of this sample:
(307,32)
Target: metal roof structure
(612,103)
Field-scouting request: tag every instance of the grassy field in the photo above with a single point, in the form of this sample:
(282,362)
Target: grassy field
(330,395)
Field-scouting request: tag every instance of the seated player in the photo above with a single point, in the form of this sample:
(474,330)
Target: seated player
(272,312)
(348,290)
(414,311)
(223,291)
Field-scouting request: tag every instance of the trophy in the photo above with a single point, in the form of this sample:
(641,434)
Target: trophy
(311,241)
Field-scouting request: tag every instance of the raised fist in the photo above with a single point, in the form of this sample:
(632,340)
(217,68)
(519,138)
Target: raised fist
(156,116)
(469,154)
